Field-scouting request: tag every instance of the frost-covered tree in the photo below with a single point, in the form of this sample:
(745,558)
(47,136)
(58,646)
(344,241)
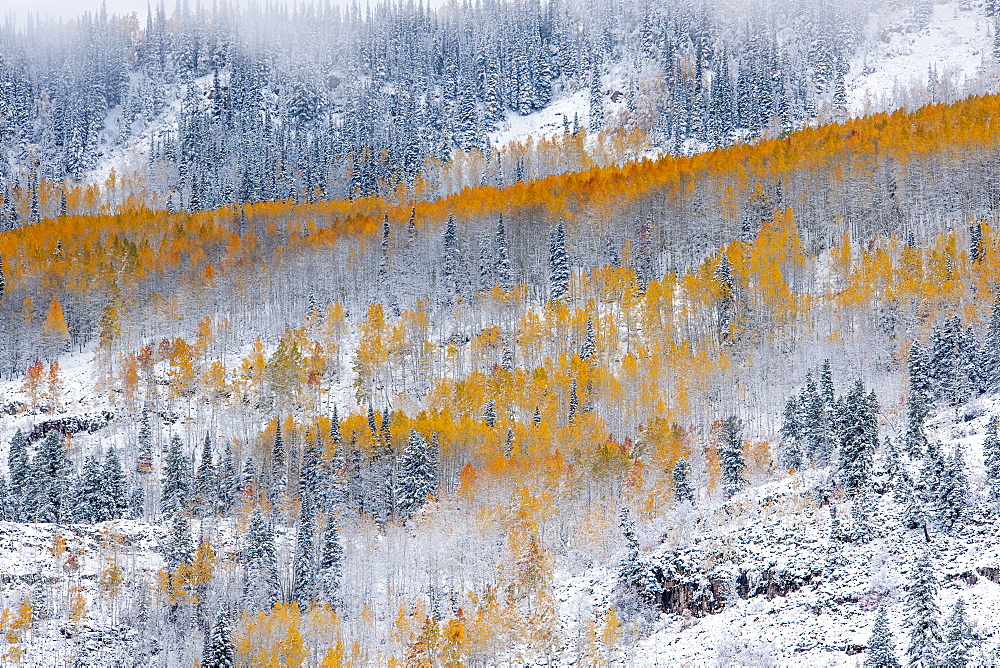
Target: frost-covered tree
(857,432)
(18,462)
(501,265)
(328,577)
(959,638)
(882,646)
(954,490)
(88,492)
(206,482)
(220,652)
(176,489)
(115,500)
(416,476)
(922,615)
(991,457)
(589,348)
(731,454)
(559,269)
(179,545)
(683,491)
(48,486)
(633,573)
(261,588)
(304,569)
(914,440)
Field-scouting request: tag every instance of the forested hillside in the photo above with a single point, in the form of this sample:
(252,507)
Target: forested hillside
(514,424)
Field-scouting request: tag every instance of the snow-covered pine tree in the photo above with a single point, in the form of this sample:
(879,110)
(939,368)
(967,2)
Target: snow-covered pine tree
(683,491)
(959,639)
(954,491)
(87,493)
(330,564)
(559,269)
(176,488)
(490,413)
(991,457)
(502,268)
(206,482)
(932,483)
(882,646)
(228,481)
(857,432)
(727,299)
(791,434)
(633,573)
(48,487)
(922,618)
(279,472)
(452,259)
(144,453)
(179,546)
(261,588)
(18,462)
(991,349)
(416,476)
(304,568)
(115,501)
(917,400)
(220,652)
(731,454)
(589,348)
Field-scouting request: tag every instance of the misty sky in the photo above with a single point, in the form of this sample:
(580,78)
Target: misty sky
(69,8)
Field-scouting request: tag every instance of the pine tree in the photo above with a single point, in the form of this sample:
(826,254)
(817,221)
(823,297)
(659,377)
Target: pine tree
(452,260)
(206,481)
(220,652)
(558,263)
(115,501)
(304,583)
(915,442)
(791,435)
(176,489)
(228,482)
(922,618)
(931,488)
(589,348)
(278,478)
(633,573)
(416,476)
(882,646)
(309,474)
(179,546)
(731,454)
(857,431)
(501,268)
(954,490)
(682,482)
(991,457)
(18,463)
(87,497)
(48,482)
(959,638)
(991,348)
(331,557)
(144,459)
(490,413)
(261,589)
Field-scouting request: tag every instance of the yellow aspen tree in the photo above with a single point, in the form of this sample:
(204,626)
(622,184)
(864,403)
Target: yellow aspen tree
(55,334)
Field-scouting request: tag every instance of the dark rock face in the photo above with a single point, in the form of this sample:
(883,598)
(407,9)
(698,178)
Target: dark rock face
(68,426)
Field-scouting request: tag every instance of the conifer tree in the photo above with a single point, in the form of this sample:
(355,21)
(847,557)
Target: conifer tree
(48,482)
(490,413)
(502,269)
(179,545)
(958,637)
(633,574)
(915,442)
(144,458)
(932,484)
(304,583)
(991,457)
(791,433)
(727,298)
(559,270)
(922,617)
(278,478)
(857,431)
(206,483)
(17,462)
(991,348)
(115,500)
(416,476)
(589,348)
(330,564)
(87,505)
(220,652)
(882,646)
(954,490)
(228,481)
(261,589)
(731,454)
(309,474)
(176,489)
(683,492)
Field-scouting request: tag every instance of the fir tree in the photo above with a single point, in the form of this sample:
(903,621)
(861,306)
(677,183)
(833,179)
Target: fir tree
(731,454)
(176,489)
(279,474)
(179,546)
(683,492)
(857,431)
(48,487)
(559,270)
(991,457)
(633,574)
(219,650)
(144,460)
(17,462)
(331,557)
(261,589)
(915,442)
(922,618)
(309,474)
(416,476)
(206,481)
(115,500)
(791,434)
(490,413)
(228,481)
(87,497)
(304,583)
(502,269)
(882,646)
(932,485)
(954,490)
(589,348)
(991,348)
(959,638)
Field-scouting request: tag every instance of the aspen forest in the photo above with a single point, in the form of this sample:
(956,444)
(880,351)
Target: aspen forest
(334,374)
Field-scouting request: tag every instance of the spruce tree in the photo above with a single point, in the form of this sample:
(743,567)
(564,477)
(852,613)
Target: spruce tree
(309,474)
(932,486)
(228,482)
(87,506)
(559,269)
(991,457)
(261,589)
(589,348)
(304,569)
(179,545)
(991,348)
(791,455)
(144,460)
(115,500)
(857,431)
(330,564)
(633,573)
(48,488)
(959,638)
(882,646)
(206,481)
(731,454)
(416,476)
(17,462)
(279,476)
(915,442)
(220,652)
(502,269)
(954,490)
(176,489)
(490,413)
(922,617)
(683,492)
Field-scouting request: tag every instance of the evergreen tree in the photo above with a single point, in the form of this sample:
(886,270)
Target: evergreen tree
(416,476)
(633,574)
(331,558)
(727,298)
(932,486)
(304,583)
(278,478)
(502,269)
(589,348)
(791,434)
(452,261)
(309,474)
(991,348)
(176,489)
(731,454)
(915,442)
(48,482)
(882,646)
(490,413)
(228,482)
(857,430)
(179,546)
(87,505)
(991,457)
(17,462)
(144,460)
(261,589)
(682,482)
(115,500)
(220,652)
(959,638)
(954,490)
(206,483)
(559,269)
(922,618)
